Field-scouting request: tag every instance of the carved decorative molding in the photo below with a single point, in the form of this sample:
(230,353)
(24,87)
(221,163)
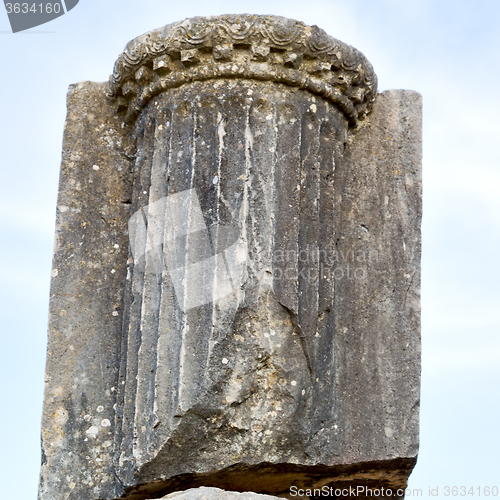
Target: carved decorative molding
(265,48)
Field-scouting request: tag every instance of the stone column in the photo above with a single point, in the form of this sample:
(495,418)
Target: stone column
(263,330)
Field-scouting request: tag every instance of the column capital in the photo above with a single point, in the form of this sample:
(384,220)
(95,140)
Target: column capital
(264,48)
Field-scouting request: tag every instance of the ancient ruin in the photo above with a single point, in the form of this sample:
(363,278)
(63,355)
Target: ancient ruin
(235,295)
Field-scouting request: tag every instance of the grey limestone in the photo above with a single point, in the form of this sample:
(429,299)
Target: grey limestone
(235,293)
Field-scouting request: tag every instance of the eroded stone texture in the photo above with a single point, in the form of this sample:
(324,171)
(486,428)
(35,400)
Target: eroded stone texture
(305,369)
(89,269)
(235,377)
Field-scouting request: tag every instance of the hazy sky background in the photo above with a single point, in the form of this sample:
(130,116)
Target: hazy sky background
(446,50)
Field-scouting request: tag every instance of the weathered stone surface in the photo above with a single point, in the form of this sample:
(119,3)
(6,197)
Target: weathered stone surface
(378,313)
(263,329)
(204,493)
(89,268)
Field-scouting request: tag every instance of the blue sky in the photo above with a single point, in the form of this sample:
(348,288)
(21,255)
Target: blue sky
(446,50)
